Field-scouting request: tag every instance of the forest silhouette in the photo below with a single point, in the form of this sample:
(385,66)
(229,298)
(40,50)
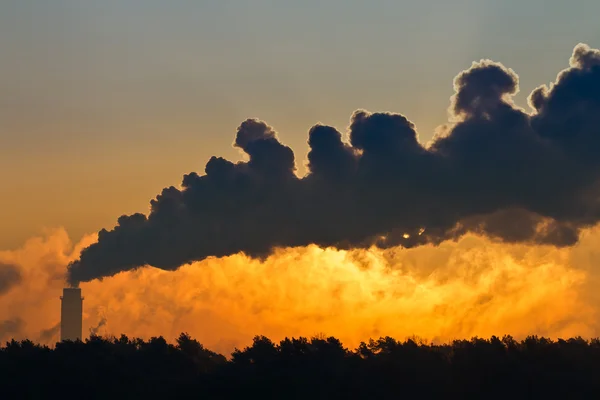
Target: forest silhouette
(299,368)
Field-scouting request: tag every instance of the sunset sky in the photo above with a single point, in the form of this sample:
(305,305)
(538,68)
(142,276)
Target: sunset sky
(493,229)
(102,104)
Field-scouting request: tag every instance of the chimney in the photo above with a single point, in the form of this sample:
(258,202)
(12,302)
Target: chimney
(71,311)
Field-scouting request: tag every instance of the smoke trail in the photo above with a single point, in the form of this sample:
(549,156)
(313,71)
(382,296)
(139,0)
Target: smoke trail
(497,170)
(94,330)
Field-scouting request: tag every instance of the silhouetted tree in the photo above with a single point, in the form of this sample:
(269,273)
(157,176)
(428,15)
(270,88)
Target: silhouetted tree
(300,368)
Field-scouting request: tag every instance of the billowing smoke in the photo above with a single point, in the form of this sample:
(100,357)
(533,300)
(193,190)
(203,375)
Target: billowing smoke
(497,170)
(473,286)
(95,329)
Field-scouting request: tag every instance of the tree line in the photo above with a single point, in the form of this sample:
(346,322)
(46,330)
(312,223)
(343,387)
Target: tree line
(301,368)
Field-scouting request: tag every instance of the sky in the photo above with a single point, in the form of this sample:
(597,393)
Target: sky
(102,104)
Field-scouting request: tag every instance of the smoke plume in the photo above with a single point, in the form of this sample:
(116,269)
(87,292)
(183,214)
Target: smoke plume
(453,290)
(95,329)
(517,176)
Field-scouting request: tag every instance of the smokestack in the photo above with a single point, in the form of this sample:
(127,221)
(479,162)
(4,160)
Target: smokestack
(71,311)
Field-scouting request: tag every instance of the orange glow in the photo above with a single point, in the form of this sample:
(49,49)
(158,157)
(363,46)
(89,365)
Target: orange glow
(456,290)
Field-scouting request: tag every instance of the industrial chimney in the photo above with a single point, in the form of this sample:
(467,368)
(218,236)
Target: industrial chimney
(71,311)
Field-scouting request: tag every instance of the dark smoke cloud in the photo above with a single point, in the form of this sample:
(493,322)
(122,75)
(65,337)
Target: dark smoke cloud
(10,275)
(497,170)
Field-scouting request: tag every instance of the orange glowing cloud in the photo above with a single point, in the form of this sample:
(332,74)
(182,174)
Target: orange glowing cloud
(455,290)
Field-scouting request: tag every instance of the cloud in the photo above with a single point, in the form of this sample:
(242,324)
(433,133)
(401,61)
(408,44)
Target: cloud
(35,300)
(10,275)
(496,170)
(452,290)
